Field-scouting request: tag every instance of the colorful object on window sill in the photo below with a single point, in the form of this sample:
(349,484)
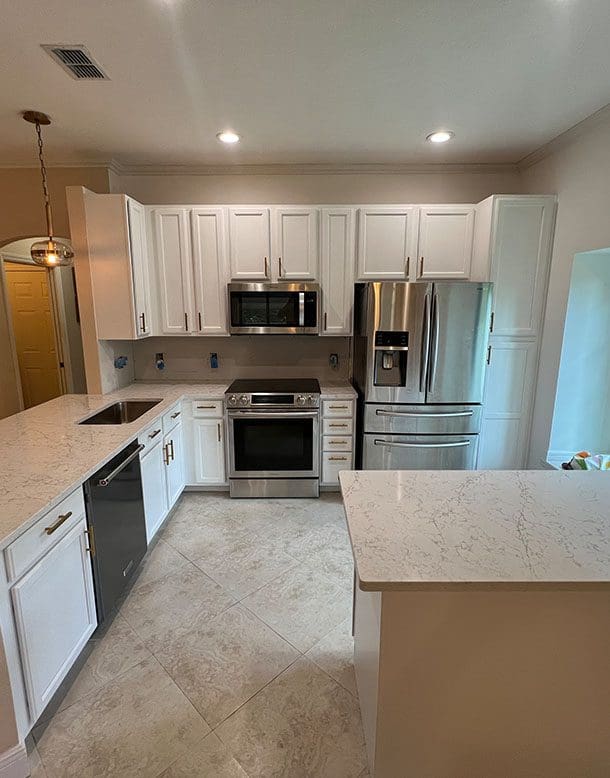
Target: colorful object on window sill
(586,461)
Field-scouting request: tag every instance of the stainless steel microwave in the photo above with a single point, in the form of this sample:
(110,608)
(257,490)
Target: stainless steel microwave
(274,309)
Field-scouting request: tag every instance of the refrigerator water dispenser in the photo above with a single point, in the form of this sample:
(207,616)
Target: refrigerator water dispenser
(391,352)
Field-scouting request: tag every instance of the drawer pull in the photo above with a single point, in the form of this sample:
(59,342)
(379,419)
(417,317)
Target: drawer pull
(338,407)
(206,407)
(60,520)
(337,425)
(171,448)
(154,434)
(337,459)
(175,415)
(336,442)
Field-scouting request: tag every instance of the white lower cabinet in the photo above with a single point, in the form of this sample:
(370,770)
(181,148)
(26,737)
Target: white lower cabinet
(174,464)
(208,452)
(337,439)
(54,607)
(152,467)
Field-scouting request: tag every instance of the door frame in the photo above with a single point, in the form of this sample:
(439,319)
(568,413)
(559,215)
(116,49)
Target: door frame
(66,381)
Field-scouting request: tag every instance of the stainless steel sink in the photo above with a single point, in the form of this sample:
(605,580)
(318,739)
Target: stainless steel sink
(121,412)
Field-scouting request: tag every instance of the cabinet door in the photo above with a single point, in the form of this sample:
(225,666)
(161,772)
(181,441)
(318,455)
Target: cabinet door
(249,244)
(387,242)
(295,243)
(139,267)
(209,451)
(174,465)
(337,233)
(522,233)
(153,488)
(54,608)
(445,242)
(210,270)
(509,392)
(174,269)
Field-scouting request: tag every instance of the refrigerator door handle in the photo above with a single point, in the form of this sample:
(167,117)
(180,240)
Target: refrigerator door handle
(434,342)
(425,345)
(420,415)
(396,444)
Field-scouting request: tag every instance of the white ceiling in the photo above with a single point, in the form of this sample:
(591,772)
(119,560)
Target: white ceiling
(304,81)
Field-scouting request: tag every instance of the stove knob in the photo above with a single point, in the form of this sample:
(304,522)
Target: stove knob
(310,400)
(301,399)
(232,399)
(244,399)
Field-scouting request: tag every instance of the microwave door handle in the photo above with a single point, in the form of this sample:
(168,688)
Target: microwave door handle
(434,343)
(425,345)
(301,309)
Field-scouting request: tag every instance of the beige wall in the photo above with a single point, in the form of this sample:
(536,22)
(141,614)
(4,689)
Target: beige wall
(346,188)
(21,216)
(579,172)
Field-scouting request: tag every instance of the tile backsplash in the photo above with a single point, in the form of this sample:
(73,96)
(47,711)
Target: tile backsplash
(242,356)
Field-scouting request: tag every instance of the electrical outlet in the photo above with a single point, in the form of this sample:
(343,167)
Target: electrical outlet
(213,360)
(333,361)
(159,361)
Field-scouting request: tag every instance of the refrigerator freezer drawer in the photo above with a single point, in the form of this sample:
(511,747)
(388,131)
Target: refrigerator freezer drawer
(422,419)
(420,452)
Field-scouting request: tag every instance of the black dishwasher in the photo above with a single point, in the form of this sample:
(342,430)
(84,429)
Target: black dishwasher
(117,528)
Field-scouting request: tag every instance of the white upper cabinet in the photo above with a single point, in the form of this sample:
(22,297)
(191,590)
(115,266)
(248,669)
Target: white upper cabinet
(520,245)
(208,238)
(387,242)
(139,267)
(113,230)
(445,242)
(174,269)
(337,270)
(295,244)
(250,244)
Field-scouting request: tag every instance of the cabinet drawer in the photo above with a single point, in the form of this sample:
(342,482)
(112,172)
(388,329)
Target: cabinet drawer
(333,464)
(337,408)
(204,409)
(151,437)
(36,541)
(336,443)
(337,426)
(171,418)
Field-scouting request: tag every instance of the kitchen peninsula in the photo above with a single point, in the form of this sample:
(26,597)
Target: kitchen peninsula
(482,621)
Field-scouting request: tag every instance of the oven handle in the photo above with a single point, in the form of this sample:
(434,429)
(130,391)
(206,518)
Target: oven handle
(268,414)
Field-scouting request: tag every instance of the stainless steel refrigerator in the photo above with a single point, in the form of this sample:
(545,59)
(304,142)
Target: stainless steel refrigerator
(419,360)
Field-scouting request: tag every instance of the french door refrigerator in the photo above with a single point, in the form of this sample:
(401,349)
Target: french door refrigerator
(419,360)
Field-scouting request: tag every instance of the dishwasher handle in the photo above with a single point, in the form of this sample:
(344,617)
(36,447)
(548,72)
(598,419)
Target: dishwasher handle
(105,481)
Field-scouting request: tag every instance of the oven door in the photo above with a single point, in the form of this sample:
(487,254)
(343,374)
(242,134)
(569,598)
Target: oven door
(274,444)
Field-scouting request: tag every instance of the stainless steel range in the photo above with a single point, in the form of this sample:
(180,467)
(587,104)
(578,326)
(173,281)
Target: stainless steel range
(274,437)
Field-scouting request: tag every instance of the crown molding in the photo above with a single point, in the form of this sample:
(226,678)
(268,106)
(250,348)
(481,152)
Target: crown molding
(127,169)
(565,138)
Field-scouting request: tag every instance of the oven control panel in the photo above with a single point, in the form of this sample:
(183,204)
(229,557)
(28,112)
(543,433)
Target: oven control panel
(273,400)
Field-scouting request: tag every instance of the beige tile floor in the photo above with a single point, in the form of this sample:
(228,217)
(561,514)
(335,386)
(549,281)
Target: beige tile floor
(231,656)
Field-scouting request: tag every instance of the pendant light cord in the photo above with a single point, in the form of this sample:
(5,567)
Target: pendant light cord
(45,186)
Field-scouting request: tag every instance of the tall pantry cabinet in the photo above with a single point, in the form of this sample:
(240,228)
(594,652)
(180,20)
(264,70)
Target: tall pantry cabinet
(517,233)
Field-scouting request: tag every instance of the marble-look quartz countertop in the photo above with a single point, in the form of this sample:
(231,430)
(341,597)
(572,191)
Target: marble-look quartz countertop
(45,454)
(430,529)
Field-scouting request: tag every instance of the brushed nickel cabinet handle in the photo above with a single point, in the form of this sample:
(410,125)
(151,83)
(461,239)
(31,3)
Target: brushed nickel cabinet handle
(266,268)
(186,321)
(199,320)
(325,321)
(91,539)
(491,321)
(337,425)
(279,262)
(338,407)
(407,266)
(337,459)
(336,442)
(171,445)
(166,454)
(154,434)
(219,432)
(60,520)
(421,266)
(175,415)
(143,322)
(488,355)
(206,407)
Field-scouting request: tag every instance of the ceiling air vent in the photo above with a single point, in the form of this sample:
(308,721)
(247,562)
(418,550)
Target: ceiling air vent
(76,61)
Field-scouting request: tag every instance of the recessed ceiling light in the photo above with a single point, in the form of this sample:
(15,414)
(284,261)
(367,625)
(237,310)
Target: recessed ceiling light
(228,136)
(442,136)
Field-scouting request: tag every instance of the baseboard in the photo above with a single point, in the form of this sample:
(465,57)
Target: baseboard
(14,763)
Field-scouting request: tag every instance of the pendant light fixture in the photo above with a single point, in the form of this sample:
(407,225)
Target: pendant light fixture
(51,252)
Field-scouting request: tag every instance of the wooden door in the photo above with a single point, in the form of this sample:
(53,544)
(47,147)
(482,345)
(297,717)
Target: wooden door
(34,328)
